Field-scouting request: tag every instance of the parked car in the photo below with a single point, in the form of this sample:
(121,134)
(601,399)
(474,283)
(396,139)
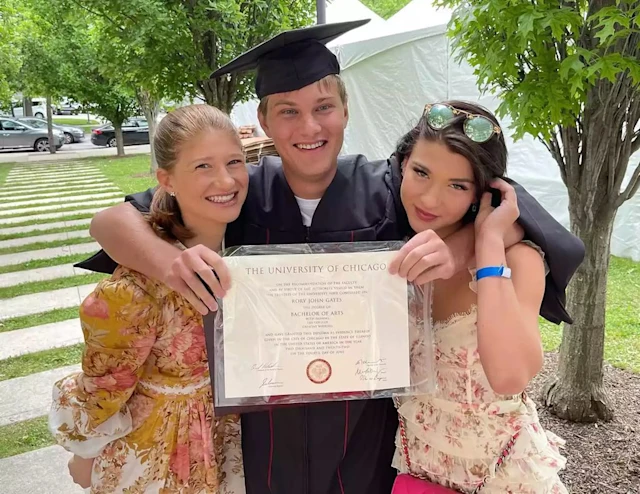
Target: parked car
(134,131)
(15,135)
(68,107)
(71,134)
(38,108)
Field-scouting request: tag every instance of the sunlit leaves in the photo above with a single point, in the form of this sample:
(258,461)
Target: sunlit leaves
(543,57)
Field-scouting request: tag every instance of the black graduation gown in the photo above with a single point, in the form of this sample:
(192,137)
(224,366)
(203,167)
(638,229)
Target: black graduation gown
(345,447)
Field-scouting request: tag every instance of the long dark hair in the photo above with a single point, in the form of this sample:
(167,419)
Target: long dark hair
(488,159)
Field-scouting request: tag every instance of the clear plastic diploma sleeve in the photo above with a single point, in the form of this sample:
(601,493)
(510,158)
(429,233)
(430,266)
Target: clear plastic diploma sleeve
(307,323)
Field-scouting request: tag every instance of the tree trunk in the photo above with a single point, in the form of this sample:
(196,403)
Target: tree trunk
(26,106)
(52,142)
(221,95)
(577,393)
(119,139)
(151,109)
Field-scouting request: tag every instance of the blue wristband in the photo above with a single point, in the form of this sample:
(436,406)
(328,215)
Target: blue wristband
(492,271)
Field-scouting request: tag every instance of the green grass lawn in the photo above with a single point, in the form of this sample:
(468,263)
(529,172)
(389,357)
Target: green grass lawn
(39,319)
(45,245)
(49,285)
(32,363)
(68,195)
(36,233)
(131,173)
(77,216)
(76,122)
(5,168)
(61,209)
(622,337)
(25,436)
(43,263)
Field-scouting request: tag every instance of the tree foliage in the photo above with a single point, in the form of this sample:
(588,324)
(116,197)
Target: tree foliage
(385,8)
(9,52)
(169,48)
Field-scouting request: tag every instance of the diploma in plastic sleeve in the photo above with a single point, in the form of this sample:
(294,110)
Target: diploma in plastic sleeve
(313,324)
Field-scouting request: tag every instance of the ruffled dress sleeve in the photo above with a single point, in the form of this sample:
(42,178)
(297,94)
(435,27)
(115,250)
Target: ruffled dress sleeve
(119,321)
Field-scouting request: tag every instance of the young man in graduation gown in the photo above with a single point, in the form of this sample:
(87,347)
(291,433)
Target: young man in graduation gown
(311,195)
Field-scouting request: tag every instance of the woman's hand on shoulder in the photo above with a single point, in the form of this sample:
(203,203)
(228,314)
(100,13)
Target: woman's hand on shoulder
(199,274)
(497,222)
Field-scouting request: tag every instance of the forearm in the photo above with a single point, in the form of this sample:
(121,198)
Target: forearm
(514,235)
(129,240)
(462,247)
(508,344)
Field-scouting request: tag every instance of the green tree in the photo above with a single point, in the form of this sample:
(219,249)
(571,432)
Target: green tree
(9,53)
(39,53)
(385,8)
(221,32)
(104,93)
(144,41)
(177,44)
(166,49)
(567,73)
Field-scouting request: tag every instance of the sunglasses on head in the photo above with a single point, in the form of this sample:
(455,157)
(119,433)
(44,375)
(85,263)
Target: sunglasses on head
(478,128)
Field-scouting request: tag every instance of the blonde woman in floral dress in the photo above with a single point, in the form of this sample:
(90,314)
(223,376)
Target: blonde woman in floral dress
(485,319)
(139,417)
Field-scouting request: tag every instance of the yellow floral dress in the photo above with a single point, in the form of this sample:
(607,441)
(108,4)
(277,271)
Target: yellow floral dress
(142,405)
(456,434)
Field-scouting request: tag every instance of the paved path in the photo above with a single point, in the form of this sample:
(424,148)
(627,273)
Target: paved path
(43,471)
(70,203)
(32,394)
(40,274)
(67,153)
(51,177)
(45,216)
(37,192)
(50,253)
(51,237)
(44,226)
(64,199)
(57,185)
(39,338)
(105,185)
(34,303)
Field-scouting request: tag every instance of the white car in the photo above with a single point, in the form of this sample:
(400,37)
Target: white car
(38,107)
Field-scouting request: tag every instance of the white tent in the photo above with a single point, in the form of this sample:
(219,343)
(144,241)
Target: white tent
(353,10)
(392,77)
(416,15)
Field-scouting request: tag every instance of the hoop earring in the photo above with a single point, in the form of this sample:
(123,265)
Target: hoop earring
(474,208)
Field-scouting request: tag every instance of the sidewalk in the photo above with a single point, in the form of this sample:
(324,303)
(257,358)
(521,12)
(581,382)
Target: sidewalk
(70,154)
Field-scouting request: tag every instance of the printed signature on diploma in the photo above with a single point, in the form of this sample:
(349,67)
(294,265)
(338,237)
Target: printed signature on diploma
(372,370)
(266,366)
(268,382)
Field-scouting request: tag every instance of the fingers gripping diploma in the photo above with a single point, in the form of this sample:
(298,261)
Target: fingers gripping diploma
(423,259)
(199,274)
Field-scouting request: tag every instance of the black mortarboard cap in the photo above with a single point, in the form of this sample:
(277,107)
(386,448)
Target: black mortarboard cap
(292,59)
